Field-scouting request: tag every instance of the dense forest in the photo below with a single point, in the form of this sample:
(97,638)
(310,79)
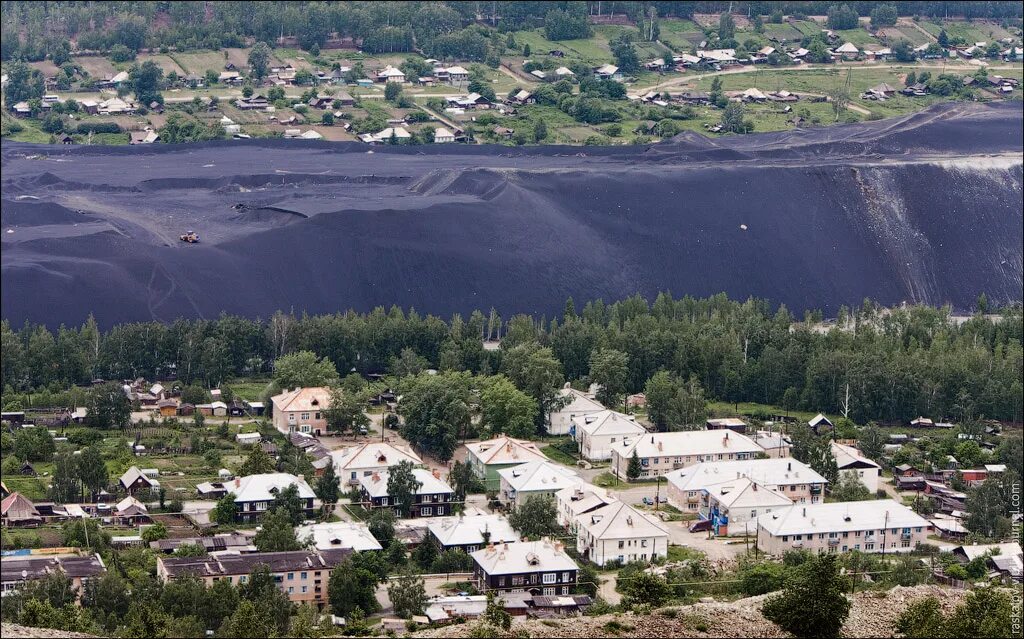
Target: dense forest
(34,30)
(894,364)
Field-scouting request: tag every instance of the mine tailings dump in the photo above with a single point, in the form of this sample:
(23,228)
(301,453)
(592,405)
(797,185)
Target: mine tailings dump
(926,208)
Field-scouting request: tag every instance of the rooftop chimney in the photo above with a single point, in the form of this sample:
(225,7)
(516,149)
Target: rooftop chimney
(805,511)
(238,482)
(436,473)
(789,466)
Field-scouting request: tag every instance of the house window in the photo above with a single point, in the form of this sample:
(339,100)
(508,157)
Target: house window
(304,589)
(869,546)
(316,416)
(303,575)
(291,590)
(304,416)
(550,577)
(753,514)
(501,580)
(291,576)
(565,590)
(565,576)
(643,543)
(383,501)
(426,511)
(785,538)
(550,592)
(622,544)
(905,544)
(291,418)
(517,581)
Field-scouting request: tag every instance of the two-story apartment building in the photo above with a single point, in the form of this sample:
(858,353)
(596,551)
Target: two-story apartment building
(575,501)
(595,433)
(867,526)
(661,453)
(794,479)
(328,535)
(851,462)
(538,567)
(302,410)
(574,405)
(254,494)
(471,532)
(488,457)
(301,574)
(619,532)
(733,507)
(540,478)
(16,572)
(433,498)
(366,459)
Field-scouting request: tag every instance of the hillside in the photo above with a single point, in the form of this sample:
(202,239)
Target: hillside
(873,614)
(925,208)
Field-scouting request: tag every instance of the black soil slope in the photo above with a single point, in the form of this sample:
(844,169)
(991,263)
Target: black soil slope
(926,208)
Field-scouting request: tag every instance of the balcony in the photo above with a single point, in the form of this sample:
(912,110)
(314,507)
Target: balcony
(815,489)
(870,539)
(833,541)
(905,536)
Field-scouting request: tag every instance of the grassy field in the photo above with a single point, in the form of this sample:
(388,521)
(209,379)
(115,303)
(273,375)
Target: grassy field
(859,37)
(165,62)
(783,31)
(558,455)
(971,32)
(199,62)
(591,50)
(806,27)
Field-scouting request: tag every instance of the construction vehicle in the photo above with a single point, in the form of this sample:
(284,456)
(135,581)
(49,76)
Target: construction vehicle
(191,237)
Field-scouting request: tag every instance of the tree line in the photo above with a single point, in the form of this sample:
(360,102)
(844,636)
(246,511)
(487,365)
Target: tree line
(874,364)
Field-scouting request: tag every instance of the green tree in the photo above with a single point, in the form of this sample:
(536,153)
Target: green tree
(225,511)
(276,533)
(108,407)
(303,369)
(259,60)
(535,517)
(495,614)
(345,412)
(762,578)
(987,510)
(506,409)
(402,487)
(609,369)
(92,469)
(463,480)
(155,532)
(408,363)
(257,463)
(392,92)
(247,622)
(145,81)
(921,619)
(883,15)
(816,580)
(871,441)
(645,588)
(66,487)
(288,500)
(633,468)
(733,119)
(352,587)
(382,525)
(220,603)
(407,594)
(726,27)
(436,411)
(537,372)
(23,83)
(306,623)
(850,488)
(328,486)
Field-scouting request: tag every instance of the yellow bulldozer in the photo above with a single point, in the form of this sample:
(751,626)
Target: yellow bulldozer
(191,237)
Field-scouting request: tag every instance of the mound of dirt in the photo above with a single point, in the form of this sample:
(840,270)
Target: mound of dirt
(925,208)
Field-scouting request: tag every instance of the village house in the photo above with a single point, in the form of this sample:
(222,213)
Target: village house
(301,574)
(775,445)
(432,498)
(536,478)
(16,510)
(794,479)
(573,502)
(850,461)
(660,453)
(538,567)
(847,51)
(391,74)
(727,423)
(443,136)
(819,422)
(867,526)
(131,512)
(258,102)
(522,97)
(596,433)
(366,459)
(470,101)
(133,480)
(349,535)
(573,404)
(391,134)
(619,532)
(607,72)
(302,410)
(1006,560)
(254,494)
(16,572)
(470,533)
(488,457)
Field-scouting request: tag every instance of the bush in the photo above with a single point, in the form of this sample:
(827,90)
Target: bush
(98,127)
